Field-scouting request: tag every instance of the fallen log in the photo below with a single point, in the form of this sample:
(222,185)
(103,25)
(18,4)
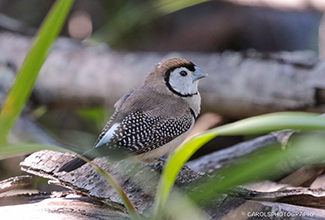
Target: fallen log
(139,181)
(239,85)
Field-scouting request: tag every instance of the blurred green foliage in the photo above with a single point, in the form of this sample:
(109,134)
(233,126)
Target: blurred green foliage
(127,16)
(95,116)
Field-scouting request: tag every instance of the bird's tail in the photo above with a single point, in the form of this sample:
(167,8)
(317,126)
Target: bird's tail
(72,165)
(76,163)
(114,155)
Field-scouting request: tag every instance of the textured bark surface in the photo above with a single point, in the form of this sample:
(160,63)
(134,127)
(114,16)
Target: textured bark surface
(301,203)
(239,84)
(138,180)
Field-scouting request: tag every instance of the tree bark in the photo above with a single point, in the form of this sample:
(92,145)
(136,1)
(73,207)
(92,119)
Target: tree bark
(139,181)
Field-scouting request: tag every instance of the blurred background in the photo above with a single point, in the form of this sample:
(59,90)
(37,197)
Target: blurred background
(143,25)
(162,26)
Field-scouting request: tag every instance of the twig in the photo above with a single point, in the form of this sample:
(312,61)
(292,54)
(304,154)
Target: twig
(15,182)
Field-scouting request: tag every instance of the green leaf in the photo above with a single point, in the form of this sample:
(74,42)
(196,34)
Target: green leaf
(255,125)
(27,74)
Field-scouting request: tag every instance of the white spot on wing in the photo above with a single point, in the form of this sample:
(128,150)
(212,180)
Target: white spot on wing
(109,134)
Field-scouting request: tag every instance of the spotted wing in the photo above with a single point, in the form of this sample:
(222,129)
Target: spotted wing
(139,132)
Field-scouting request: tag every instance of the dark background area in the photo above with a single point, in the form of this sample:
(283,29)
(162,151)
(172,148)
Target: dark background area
(212,26)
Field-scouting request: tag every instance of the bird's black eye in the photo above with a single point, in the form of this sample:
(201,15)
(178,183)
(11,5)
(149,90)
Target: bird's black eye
(183,73)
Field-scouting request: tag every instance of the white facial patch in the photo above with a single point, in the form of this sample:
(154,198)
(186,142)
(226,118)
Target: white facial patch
(109,134)
(183,83)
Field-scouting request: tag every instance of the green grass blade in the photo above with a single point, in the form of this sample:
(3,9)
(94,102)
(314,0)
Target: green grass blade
(272,122)
(267,163)
(249,169)
(27,74)
(113,182)
(254,125)
(169,6)
(13,150)
(181,207)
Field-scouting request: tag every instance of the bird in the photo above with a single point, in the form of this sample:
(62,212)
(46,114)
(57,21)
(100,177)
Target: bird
(151,121)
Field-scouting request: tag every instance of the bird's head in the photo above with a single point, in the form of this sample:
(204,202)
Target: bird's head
(177,75)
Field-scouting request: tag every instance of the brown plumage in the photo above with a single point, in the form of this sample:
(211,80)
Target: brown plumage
(154,119)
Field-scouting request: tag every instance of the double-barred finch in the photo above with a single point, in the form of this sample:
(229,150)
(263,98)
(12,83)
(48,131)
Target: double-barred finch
(153,120)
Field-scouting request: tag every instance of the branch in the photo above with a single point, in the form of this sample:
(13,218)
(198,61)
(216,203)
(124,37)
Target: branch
(218,159)
(15,182)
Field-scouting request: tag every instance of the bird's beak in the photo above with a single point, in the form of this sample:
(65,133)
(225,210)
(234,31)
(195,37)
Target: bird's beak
(198,74)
